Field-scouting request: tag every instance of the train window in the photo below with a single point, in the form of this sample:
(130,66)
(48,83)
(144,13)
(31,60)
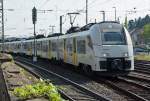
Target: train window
(49,43)
(81,45)
(87,27)
(64,44)
(69,45)
(31,45)
(113,38)
(44,46)
(53,46)
(25,46)
(38,45)
(89,42)
(74,44)
(60,46)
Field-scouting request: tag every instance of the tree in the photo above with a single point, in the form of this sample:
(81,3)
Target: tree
(131,24)
(138,23)
(126,22)
(146,33)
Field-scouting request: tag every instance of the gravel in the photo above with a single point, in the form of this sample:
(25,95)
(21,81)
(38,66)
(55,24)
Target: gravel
(100,88)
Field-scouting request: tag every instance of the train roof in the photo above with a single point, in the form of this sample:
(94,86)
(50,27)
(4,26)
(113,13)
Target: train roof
(109,22)
(72,33)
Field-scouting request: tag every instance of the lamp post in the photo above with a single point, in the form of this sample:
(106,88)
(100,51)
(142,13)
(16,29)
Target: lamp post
(52,30)
(61,24)
(86,11)
(115,13)
(103,12)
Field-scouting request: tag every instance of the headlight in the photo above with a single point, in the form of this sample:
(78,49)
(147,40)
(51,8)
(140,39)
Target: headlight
(105,54)
(126,54)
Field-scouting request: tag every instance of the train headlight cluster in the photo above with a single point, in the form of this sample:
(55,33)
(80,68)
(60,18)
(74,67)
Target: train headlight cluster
(126,54)
(105,54)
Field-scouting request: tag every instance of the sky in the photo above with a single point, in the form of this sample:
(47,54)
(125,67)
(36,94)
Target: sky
(18,23)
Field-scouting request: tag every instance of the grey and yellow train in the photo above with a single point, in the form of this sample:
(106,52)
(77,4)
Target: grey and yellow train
(104,48)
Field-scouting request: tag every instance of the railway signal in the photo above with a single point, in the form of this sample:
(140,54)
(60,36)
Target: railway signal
(34,19)
(34,15)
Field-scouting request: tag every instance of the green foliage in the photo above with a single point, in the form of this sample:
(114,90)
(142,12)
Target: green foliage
(138,23)
(147,29)
(146,32)
(40,89)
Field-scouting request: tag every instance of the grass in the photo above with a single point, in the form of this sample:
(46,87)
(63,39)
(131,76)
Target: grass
(40,89)
(142,57)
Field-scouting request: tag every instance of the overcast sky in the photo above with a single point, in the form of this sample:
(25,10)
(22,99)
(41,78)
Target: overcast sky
(19,22)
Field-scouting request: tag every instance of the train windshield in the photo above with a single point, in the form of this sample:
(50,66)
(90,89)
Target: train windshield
(113,35)
(113,38)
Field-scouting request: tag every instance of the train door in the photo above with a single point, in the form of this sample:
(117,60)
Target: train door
(74,52)
(65,51)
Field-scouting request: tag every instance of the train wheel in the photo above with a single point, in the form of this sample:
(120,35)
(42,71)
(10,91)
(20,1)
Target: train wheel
(87,70)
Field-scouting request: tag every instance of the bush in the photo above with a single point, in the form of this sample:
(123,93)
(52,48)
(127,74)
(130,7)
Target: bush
(40,89)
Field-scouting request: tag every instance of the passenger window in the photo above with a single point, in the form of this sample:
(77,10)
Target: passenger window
(45,46)
(38,45)
(53,46)
(69,45)
(81,46)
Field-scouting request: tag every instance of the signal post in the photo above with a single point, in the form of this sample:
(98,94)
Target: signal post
(34,19)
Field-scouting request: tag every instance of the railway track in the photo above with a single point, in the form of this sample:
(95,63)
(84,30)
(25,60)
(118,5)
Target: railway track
(144,64)
(141,76)
(142,61)
(129,87)
(76,91)
(142,67)
(138,81)
(132,95)
(142,70)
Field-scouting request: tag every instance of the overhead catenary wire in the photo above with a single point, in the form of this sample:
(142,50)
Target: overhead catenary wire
(61,11)
(46,1)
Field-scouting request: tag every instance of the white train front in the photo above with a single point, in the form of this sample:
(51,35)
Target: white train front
(105,48)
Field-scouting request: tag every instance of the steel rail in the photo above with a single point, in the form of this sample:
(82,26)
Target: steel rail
(141,70)
(139,77)
(145,66)
(134,83)
(38,76)
(129,93)
(93,94)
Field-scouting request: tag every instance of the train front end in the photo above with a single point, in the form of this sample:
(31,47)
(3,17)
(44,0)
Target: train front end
(113,49)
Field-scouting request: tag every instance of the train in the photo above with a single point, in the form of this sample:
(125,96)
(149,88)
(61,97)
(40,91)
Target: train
(104,48)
